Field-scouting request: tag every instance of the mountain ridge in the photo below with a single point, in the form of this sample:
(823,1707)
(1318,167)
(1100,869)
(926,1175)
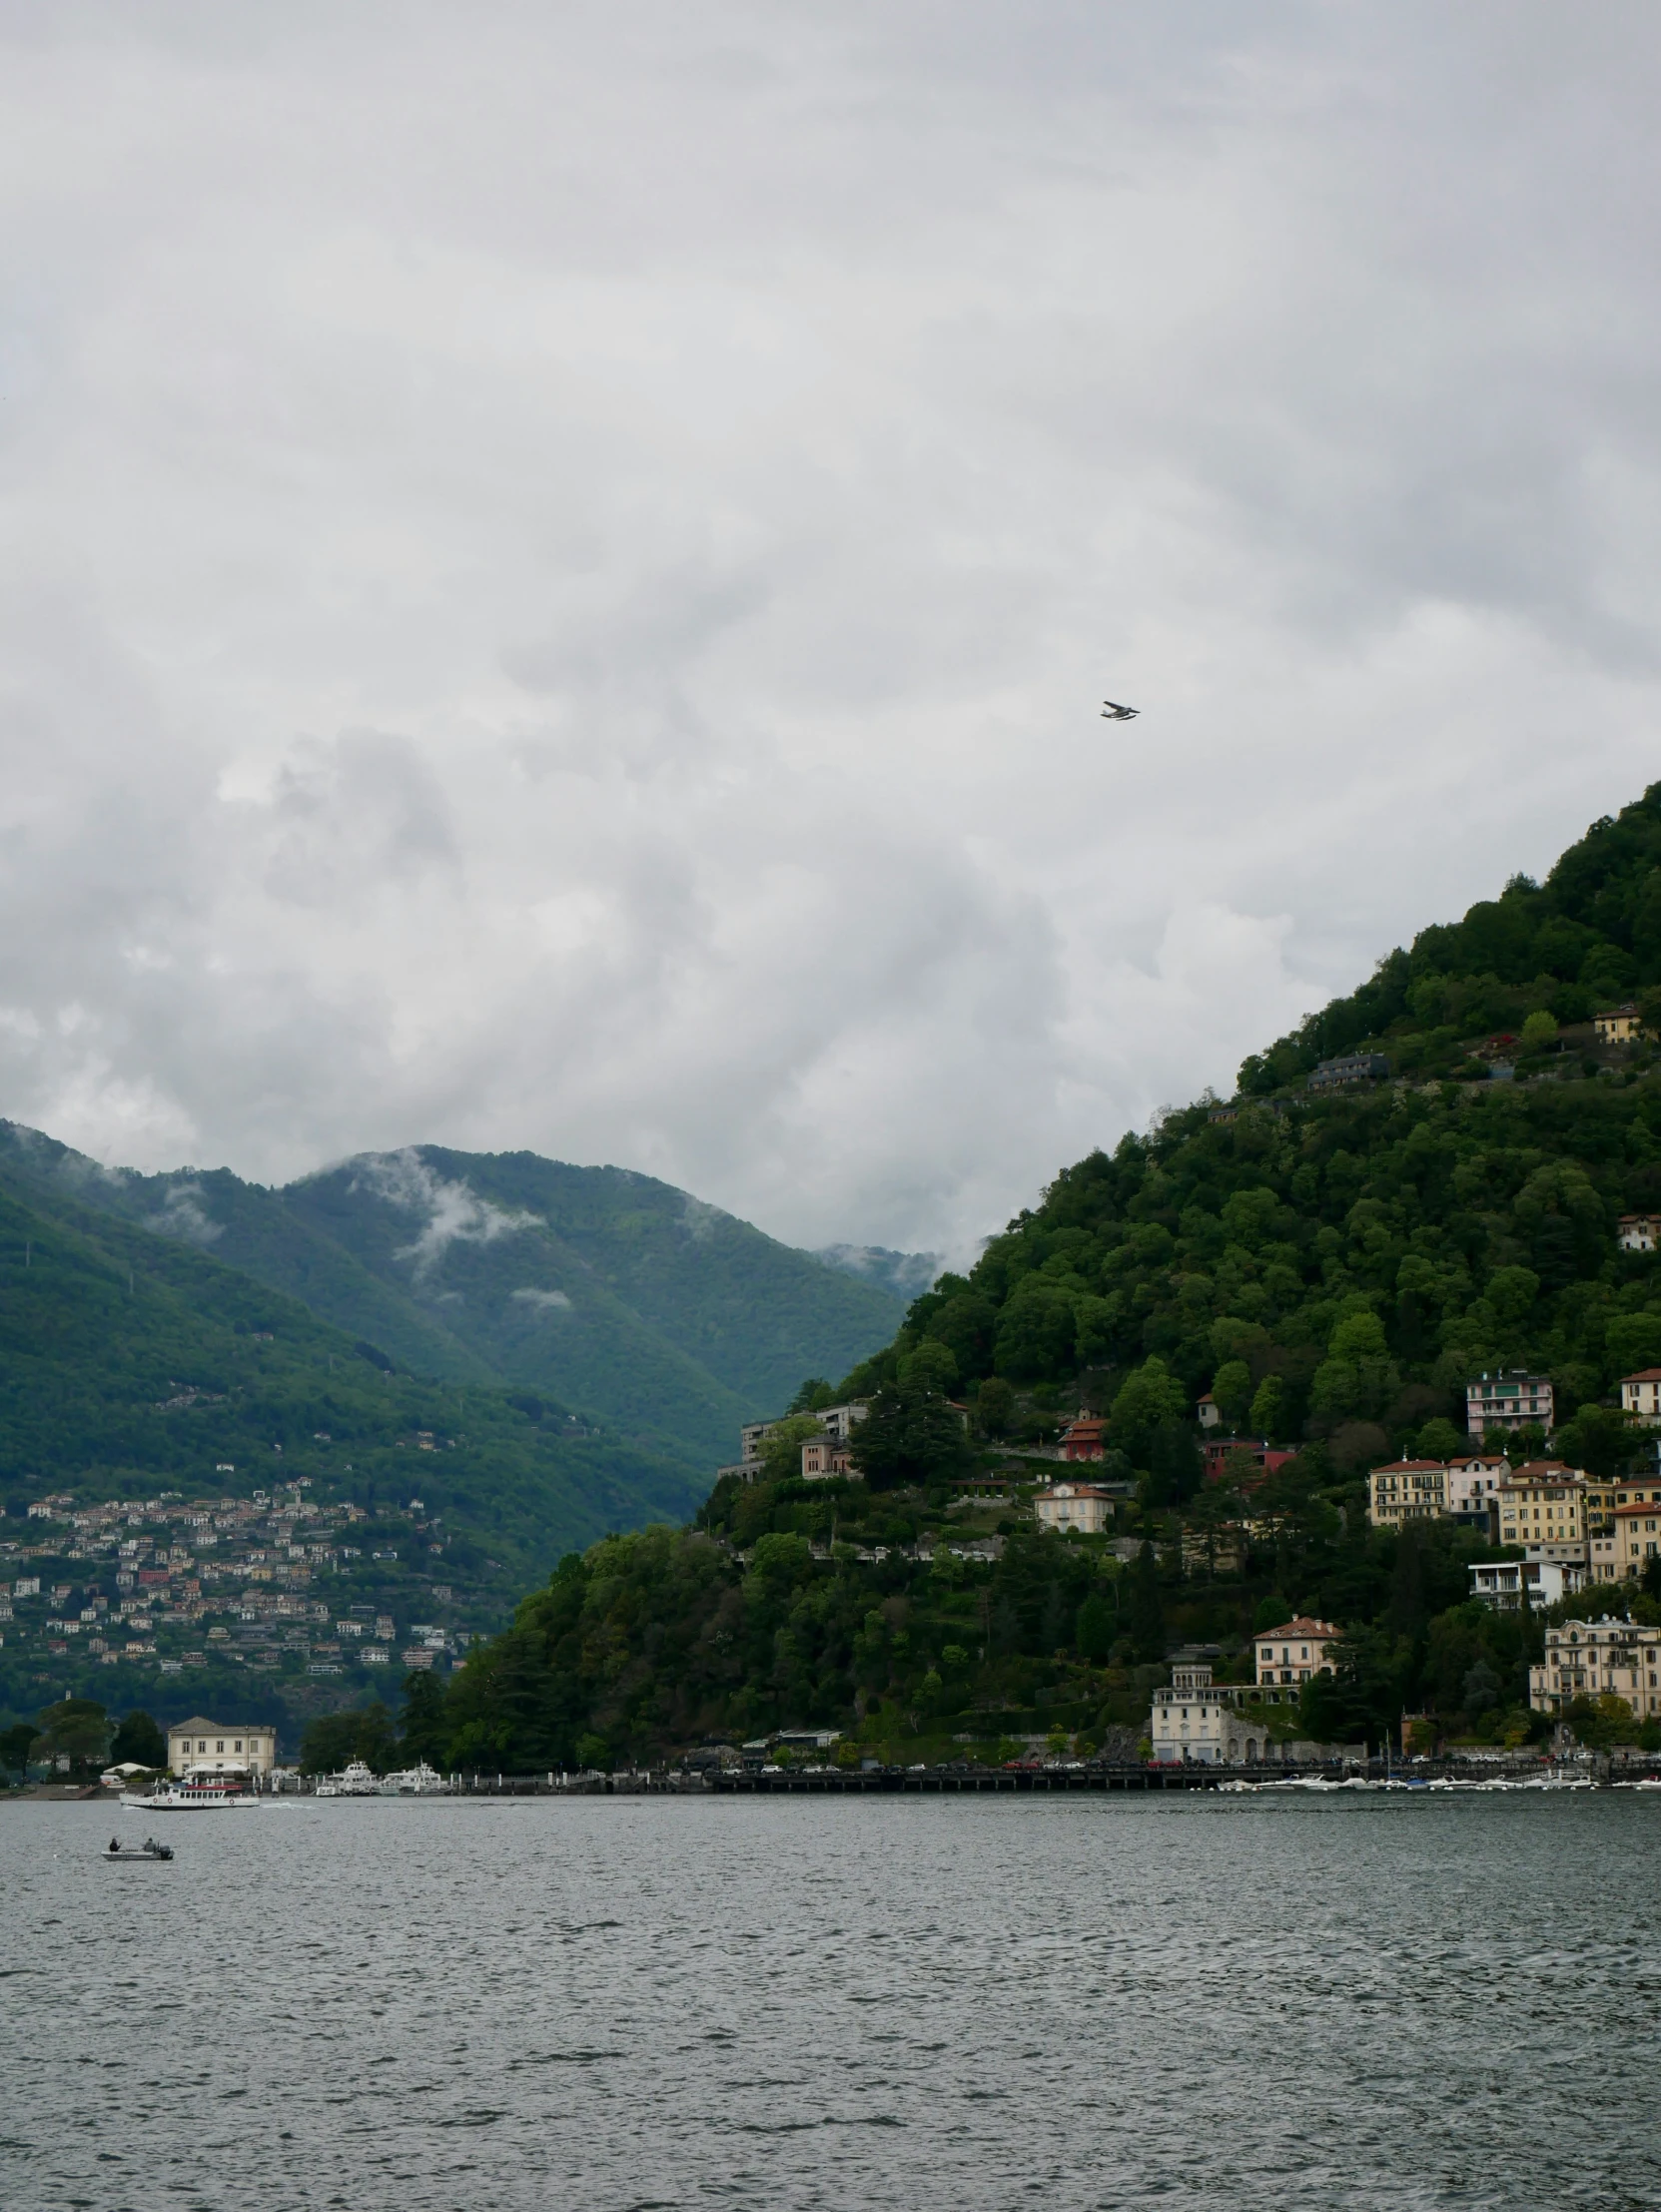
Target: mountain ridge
(617,1294)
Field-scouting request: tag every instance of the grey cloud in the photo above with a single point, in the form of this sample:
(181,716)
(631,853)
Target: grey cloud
(556,577)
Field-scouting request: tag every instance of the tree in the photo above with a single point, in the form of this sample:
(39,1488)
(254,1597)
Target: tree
(931,1364)
(1599,1438)
(425,1733)
(1147,1606)
(16,1743)
(910,1435)
(1174,1466)
(1439,1439)
(813,1396)
(1096,1628)
(336,1739)
(994,1407)
(1145,1398)
(1268,1408)
(1232,1389)
(78,1730)
(138,1740)
(1601,1723)
(1538,1032)
(781,1447)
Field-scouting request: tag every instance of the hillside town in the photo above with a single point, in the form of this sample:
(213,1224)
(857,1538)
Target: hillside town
(272,1581)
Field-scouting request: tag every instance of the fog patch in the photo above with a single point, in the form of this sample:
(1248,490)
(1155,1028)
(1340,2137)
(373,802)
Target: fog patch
(701,1220)
(455,1212)
(545,1301)
(185,1217)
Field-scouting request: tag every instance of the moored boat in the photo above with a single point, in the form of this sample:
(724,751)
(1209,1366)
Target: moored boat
(419,1780)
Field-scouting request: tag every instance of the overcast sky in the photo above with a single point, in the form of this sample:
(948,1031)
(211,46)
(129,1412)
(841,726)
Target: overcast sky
(560,563)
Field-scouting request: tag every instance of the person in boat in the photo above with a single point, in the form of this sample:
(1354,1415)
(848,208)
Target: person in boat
(115,1843)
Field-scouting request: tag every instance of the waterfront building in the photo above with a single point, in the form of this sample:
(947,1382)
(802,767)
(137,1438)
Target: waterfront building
(210,1746)
(1507,1400)
(1595,1659)
(1197,1719)
(1294,1650)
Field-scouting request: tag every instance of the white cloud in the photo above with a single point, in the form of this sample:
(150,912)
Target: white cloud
(557,573)
(184,1214)
(451,1212)
(545,1301)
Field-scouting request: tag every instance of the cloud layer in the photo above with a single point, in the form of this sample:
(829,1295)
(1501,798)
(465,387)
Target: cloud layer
(559,563)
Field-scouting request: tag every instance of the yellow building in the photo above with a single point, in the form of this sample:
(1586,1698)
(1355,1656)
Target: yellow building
(1595,1659)
(1637,1534)
(1621,1026)
(1407,1490)
(1544,1505)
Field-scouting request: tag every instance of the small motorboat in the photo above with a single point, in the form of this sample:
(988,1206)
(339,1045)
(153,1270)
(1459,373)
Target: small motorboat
(146,1854)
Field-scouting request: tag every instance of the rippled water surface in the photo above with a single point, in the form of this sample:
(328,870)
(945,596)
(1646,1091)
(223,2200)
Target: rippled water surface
(944,2001)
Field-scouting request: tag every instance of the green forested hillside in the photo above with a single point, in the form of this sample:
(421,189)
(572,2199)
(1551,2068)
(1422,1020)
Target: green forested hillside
(1332,1266)
(618,1295)
(1343,1261)
(1588,937)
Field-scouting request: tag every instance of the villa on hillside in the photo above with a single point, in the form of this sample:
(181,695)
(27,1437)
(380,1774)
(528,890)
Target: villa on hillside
(1638,1232)
(1290,1653)
(1641,1395)
(1619,1026)
(1264,1456)
(1082,1439)
(1075,1505)
(1508,1400)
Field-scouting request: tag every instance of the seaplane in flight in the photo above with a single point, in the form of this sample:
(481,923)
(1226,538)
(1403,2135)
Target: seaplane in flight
(1112,711)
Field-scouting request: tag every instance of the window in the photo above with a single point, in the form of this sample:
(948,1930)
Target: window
(238,1744)
(219,1746)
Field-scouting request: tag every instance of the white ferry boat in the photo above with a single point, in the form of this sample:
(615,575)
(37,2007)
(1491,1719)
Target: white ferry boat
(192,1793)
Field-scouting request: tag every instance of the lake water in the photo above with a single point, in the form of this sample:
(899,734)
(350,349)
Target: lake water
(614,2003)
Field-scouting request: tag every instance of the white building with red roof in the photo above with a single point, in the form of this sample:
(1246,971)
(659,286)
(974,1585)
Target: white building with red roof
(1641,1394)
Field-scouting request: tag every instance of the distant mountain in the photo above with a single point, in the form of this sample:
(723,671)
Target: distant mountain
(907,1274)
(132,1362)
(625,1299)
